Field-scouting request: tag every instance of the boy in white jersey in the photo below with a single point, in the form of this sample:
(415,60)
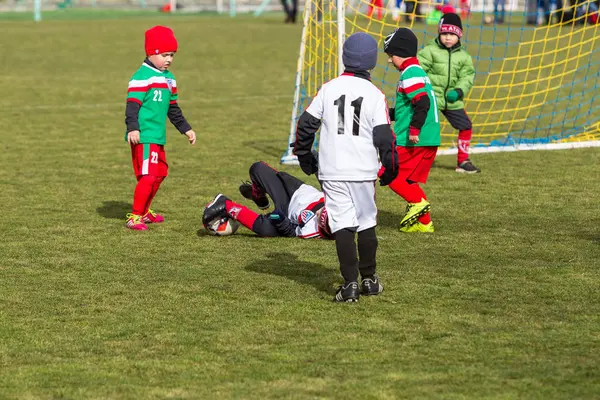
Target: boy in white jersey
(355,129)
(299,208)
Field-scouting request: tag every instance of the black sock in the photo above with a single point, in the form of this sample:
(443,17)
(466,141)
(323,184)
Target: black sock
(346,250)
(367,250)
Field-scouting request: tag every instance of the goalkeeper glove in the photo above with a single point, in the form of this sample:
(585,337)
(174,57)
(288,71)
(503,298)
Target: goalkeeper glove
(453,95)
(309,163)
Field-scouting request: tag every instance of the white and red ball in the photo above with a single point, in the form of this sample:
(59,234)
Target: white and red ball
(222,226)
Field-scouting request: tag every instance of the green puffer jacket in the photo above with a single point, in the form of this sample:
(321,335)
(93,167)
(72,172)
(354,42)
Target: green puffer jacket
(448,69)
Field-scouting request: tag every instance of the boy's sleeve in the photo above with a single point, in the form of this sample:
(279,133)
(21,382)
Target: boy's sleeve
(136,91)
(466,77)
(308,124)
(174,93)
(315,108)
(383,136)
(175,114)
(425,58)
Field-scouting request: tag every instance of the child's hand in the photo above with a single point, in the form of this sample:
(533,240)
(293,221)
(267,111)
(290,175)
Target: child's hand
(413,134)
(452,95)
(133,137)
(191,135)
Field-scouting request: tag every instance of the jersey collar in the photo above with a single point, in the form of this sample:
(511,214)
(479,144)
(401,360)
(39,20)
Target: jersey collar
(408,62)
(358,73)
(148,64)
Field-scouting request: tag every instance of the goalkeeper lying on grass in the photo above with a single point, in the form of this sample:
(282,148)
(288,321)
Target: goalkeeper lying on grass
(299,208)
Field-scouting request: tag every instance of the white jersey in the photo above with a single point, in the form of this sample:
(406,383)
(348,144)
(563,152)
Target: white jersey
(299,211)
(349,108)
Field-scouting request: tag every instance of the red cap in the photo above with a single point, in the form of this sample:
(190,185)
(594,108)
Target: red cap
(160,39)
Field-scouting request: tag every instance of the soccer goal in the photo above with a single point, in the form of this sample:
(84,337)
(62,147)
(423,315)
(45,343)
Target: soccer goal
(537,70)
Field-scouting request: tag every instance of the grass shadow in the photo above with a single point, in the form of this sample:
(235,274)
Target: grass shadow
(389,219)
(438,165)
(289,266)
(266,147)
(114,209)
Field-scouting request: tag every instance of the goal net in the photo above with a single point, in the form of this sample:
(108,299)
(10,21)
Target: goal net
(537,66)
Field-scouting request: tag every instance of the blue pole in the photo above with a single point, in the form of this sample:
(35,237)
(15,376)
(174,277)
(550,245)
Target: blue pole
(37,10)
(261,7)
(232,9)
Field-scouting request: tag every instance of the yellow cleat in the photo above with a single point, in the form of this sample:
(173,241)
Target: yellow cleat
(414,211)
(418,227)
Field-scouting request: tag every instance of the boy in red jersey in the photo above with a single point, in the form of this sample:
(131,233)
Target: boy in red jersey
(151,98)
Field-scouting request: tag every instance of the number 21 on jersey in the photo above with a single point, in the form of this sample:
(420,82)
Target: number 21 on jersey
(341,105)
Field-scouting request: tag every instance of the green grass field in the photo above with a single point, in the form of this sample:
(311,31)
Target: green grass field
(502,302)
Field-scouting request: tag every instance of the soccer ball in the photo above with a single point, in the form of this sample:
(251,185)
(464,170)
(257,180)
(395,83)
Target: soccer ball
(488,19)
(222,226)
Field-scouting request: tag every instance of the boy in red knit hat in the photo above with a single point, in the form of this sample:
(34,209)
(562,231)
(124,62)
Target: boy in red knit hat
(151,98)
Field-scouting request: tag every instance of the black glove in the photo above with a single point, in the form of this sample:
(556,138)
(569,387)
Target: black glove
(387,176)
(284,226)
(309,164)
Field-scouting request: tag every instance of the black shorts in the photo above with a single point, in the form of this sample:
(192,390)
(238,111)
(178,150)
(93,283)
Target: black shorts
(458,119)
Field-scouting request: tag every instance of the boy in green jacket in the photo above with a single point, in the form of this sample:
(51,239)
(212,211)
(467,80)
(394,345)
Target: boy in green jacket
(451,71)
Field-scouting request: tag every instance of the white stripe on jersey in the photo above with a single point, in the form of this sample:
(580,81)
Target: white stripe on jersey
(413,81)
(301,199)
(147,82)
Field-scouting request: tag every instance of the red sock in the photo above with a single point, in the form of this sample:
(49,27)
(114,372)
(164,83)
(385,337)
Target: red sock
(425,218)
(411,192)
(142,193)
(464,141)
(155,186)
(243,215)
(370,10)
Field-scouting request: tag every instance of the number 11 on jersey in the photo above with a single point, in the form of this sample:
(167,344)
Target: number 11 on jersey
(341,104)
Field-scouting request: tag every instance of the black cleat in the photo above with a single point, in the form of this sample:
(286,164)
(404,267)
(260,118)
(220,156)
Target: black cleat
(347,293)
(371,286)
(251,192)
(215,209)
(467,167)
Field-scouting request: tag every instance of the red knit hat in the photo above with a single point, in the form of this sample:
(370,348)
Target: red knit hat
(160,39)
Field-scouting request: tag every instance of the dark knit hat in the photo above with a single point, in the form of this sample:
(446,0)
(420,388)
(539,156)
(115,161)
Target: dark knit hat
(360,52)
(160,39)
(402,43)
(450,23)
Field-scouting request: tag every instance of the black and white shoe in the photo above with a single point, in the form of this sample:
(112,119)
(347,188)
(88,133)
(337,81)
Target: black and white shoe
(467,167)
(347,293)
(215,209)
(251,192)
(371,286)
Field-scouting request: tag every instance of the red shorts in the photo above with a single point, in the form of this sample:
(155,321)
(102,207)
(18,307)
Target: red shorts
(149,159)
(415,162)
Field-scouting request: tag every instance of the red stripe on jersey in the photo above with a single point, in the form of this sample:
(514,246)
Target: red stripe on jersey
(131,99)
(418,96)
(414,87)
(310,235)
(314,203)
(173,102)
(151,86)
(174,90)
